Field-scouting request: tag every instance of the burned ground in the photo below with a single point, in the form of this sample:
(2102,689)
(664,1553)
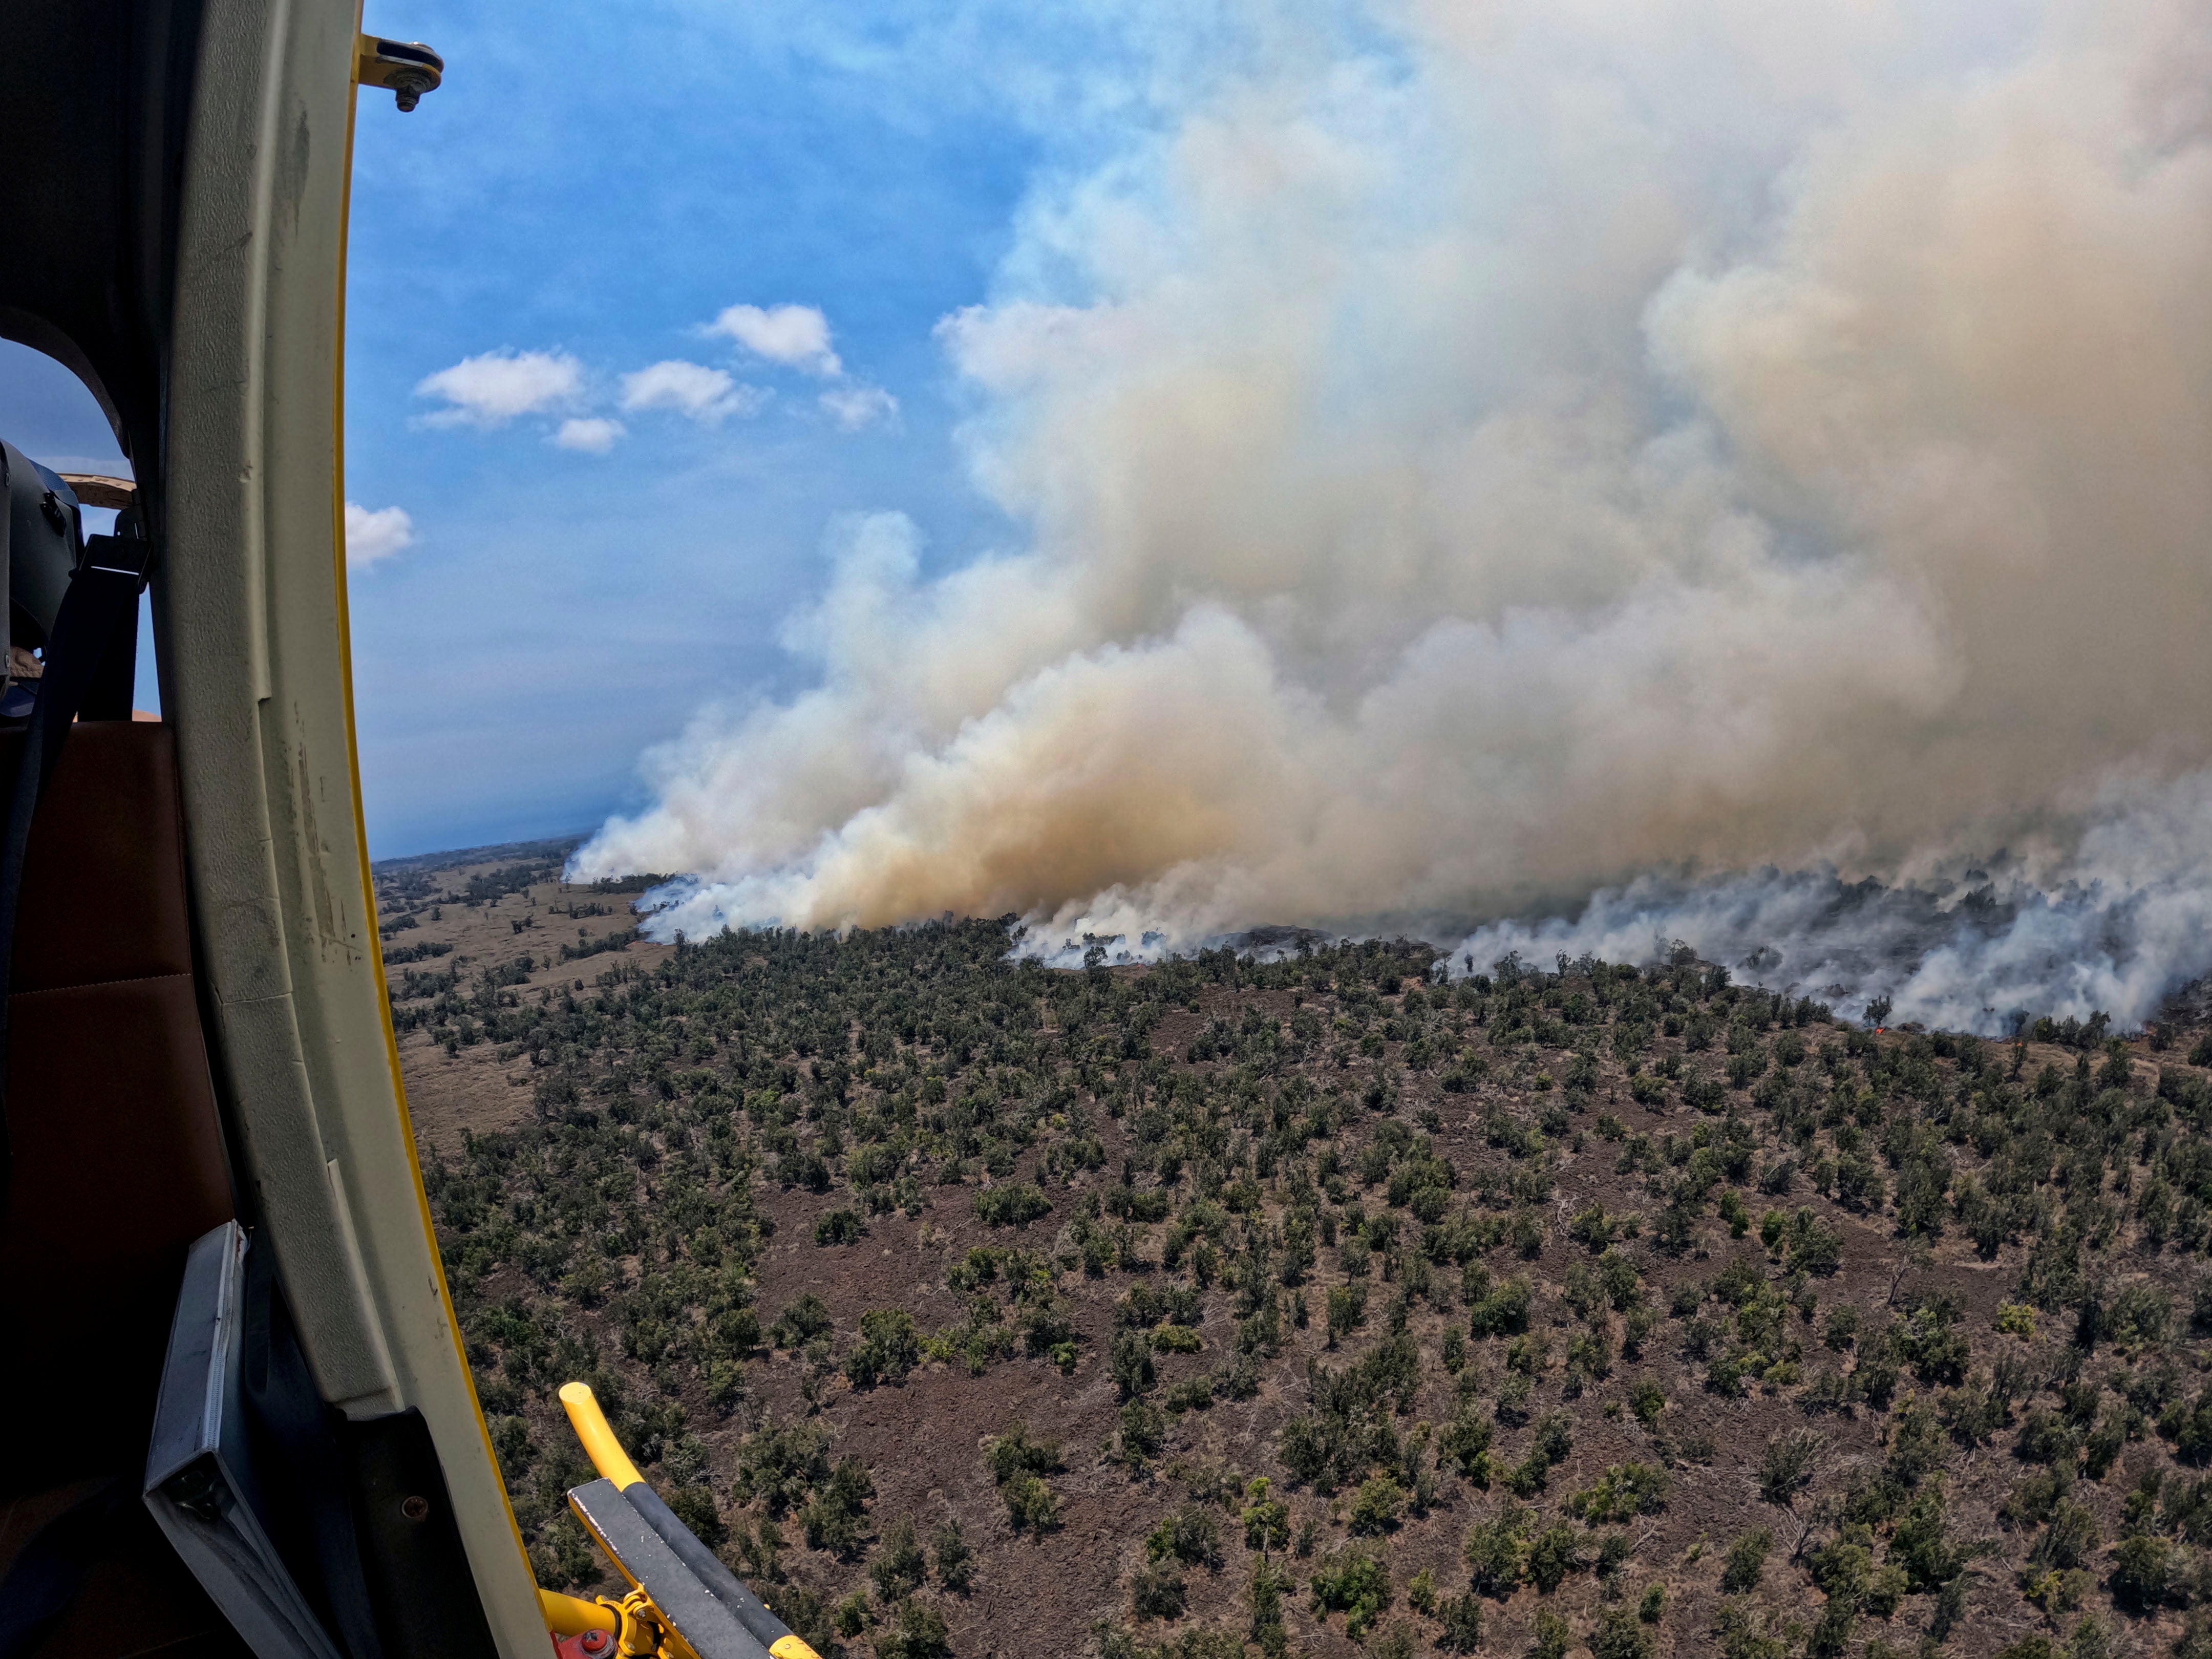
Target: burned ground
(1312,1305)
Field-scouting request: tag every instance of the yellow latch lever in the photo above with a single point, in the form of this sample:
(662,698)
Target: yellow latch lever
(597,1436)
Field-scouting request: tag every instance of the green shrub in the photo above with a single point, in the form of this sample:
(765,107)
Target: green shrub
(1267,1520)
(1502,1311)
(1549,1636)
(835,1517)
(1497,1551)
(1194,1394)
(1190,1534)
(1376,1507)
(919,1632)
(899,1565)
(1747,1559)
(1016,1453)
(1158,1591)
(1355,1583)
(954,1560)
(1011,1204)
(2142,1571)
(1553,1553)
(800,1322)
(1622,1635)
(780,1465)
(1030,1504)
(1625,1491)
(1921,1545)
(1465,1444)
(888,1349)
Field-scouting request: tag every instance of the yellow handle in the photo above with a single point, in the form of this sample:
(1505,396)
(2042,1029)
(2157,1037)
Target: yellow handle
(571,1615)
(600,1445)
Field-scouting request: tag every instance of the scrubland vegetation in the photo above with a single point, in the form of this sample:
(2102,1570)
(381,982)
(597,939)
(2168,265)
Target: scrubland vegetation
(1315,1305)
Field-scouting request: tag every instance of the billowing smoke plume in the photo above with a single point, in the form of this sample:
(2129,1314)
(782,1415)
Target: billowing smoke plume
(1475,455)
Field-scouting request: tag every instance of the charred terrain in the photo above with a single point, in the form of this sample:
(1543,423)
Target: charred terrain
(1313,1305)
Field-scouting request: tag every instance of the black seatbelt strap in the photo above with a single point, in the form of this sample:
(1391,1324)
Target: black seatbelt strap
(115,673)
(103,592)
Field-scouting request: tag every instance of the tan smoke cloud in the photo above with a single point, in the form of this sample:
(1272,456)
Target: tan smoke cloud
(1560,440)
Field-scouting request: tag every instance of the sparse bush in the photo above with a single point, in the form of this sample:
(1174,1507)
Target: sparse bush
(835,1517)
(1375,1508)
(1133,1364)
(1190,1534)
(1017,1452)
(917,1632)
(1461,1618)
(1143,1430)
(1031,1505)
(1011,1204)
(1158,1591)
(1622,1635)
(1786,1469)
(1747,1559)
(954,1560)
(1356,1583)
(800,1322)
(1549,1635)
(888,1349)
(1553,1553)
(899,1565)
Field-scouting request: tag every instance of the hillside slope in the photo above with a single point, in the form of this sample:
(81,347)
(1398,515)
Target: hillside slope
(973,1307)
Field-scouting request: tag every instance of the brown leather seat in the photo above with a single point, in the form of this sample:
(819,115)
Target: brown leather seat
(120,1160)
(120,1165)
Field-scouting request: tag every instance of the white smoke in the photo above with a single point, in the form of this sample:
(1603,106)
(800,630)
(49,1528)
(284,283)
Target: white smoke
(1477,455)
(2113,928)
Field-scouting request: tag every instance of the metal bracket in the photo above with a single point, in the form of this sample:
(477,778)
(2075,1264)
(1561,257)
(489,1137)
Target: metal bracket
(408,68)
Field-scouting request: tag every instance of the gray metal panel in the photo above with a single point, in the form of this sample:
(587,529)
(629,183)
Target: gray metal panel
(199,1479)
(645,1558)
(199,1378)
(753,1612)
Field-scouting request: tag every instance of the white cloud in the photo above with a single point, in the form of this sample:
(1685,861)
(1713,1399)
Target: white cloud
(594,435)
(706,395)
(797,336)
(859,406)
(491,390)
(372,536)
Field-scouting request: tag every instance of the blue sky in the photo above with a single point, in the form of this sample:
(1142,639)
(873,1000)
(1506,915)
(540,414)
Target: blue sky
(598,185)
